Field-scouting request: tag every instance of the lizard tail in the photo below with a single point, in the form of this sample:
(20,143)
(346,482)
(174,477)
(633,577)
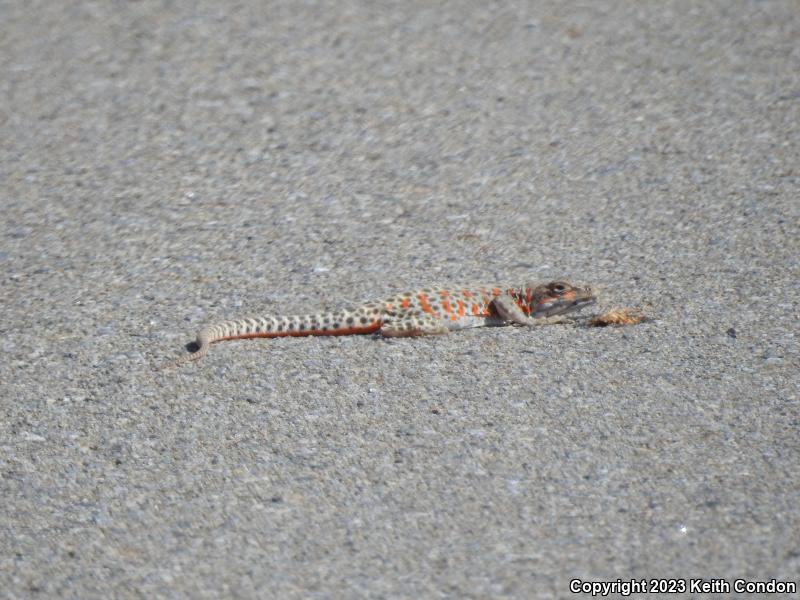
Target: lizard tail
(334,323)
(267,326)
(204,338)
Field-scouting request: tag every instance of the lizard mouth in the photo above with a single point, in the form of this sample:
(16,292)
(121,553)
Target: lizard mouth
(560,306)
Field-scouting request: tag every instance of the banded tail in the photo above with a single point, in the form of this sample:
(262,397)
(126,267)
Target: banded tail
(361,321)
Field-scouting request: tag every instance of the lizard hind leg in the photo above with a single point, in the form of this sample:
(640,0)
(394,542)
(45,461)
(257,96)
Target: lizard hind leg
(412,326)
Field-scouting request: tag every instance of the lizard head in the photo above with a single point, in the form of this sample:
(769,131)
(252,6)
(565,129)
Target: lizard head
(557,298)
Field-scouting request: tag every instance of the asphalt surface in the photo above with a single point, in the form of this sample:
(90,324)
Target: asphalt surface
(168,164)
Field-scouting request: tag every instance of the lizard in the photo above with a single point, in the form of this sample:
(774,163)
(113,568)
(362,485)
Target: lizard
(427,311)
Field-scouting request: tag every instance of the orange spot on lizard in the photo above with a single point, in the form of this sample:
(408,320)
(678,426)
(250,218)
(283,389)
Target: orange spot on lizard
(423,303)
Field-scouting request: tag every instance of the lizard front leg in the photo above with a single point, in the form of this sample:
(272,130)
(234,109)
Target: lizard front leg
(508,309)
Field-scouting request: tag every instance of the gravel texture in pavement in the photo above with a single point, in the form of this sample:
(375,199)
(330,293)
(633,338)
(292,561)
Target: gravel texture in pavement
(168,164)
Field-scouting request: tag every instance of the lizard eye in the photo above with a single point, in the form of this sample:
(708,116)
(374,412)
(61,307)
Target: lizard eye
(558,288)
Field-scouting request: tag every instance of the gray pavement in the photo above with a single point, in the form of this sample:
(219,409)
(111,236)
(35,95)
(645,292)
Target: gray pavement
(168,164)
